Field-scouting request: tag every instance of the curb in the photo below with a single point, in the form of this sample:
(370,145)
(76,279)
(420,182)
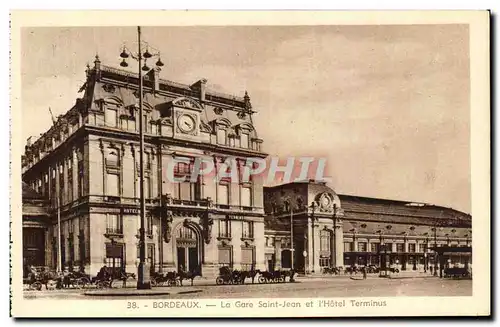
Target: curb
(138,293)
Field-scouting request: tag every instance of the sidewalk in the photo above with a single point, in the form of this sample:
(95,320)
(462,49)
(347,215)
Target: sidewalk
(135,292)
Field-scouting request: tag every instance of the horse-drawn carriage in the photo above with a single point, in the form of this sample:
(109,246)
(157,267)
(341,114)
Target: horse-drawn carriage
(106,276)
(276,276)
(332,270)
(456,272)
(173,278)
(33,283)
(229,276)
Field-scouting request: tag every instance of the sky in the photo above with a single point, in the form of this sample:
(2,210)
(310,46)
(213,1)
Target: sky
(387,105)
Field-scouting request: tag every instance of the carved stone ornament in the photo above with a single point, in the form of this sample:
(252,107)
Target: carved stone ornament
(242,115)
(208,222)
(167,232)
(218,111)
(325,202)
(109,88)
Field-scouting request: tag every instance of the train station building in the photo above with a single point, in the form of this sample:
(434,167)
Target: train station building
(84,173)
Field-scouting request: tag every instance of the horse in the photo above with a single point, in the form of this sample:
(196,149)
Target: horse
(188,275)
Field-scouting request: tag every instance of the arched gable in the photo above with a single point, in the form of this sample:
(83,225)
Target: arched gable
(186,102)
(113,100)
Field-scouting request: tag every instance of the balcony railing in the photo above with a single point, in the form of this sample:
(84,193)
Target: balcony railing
(114,231)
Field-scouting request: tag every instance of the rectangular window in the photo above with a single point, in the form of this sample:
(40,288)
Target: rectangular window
(244,140)
(131,125)
(412,247)
(70,181)
(247,229)
(247,258)
(400,247)
(362,246)
(80,178)
(221,136)
(114,256)
(225,256)
(223,194)
(114,224)
(388,247)
(110,117)
(246,197)
(347,247)
(149,224)
(422,247)
(112,184)
(225,228)
(375,247)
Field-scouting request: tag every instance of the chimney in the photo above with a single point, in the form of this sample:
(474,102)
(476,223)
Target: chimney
(200,86)
(154,77)
(97,66)
(248,105)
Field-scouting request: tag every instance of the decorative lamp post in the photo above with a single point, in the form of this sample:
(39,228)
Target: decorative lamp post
(380,249)
(143,275)
(426,245)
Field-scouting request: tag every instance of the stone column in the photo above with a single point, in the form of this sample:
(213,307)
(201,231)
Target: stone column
(309,266)
(339,248)
(48,249)
(277,254)
(316,250)
(75,185)
(368,249)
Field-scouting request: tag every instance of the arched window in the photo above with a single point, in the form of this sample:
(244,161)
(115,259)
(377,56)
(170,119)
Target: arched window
(186,233)
(112,158)
(325,237)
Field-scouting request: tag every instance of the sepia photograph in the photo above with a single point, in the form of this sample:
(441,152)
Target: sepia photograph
(289,168)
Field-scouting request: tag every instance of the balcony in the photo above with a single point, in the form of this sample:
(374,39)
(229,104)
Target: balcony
(113,232)
(193,203)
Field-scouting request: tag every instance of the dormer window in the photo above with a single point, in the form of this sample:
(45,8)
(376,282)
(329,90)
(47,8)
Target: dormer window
(244,140)
(110,117)
(221,136)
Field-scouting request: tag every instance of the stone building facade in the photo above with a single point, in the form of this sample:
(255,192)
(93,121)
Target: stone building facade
(87,166)
(332,230)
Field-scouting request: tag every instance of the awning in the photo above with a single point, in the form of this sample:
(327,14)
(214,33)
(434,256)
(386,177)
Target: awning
(452,249)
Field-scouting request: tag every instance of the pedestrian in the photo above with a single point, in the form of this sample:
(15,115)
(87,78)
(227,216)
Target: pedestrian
(364,272)
(430,268)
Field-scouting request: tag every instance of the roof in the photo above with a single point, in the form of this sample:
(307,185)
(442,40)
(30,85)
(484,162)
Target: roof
(373,209)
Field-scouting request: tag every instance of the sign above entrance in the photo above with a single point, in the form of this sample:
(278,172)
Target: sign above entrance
(130,211)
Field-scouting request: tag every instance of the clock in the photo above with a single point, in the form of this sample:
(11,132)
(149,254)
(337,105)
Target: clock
(186,123)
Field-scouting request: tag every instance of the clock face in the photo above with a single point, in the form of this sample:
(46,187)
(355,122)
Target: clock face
(186,123)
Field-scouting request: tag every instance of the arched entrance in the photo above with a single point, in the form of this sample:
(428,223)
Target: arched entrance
(188,249)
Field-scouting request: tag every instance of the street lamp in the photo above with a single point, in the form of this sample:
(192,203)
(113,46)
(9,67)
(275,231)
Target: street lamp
(380,248)
(434,229)
(143,273)
(425,251)
(335,235)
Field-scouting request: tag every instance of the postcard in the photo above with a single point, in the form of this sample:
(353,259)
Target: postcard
(250,164)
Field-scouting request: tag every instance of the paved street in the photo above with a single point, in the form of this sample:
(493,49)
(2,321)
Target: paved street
(304,287)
